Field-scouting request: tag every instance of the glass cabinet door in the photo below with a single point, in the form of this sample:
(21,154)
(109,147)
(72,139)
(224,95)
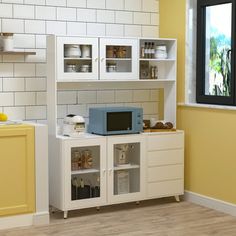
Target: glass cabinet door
(125,160)
(78,58)
(118,59)
(86,174)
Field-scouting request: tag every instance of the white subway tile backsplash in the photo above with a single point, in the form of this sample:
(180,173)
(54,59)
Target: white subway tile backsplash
(80,110)
(41,98)
(13,25)
(105,96)
(96,29)
(114,30)
(86,15)
(6,99)
(123,96)
(115,4)
(36,112)
(0,84)
(141,95)
(154,19)
(150,5)
(142,18)
(12,1)
(6,70)
(41,41)
(154,95)
(66,97)
(133,5)
(23,11)
(96,4)
(76,3)
(45,13)
(150,31)
(35,84)
(56,2)
(124,17)
(35,2)
(105,16)
(15,113)
(87,97)
(13,58)
(24,70)
(150,108)
(56,27)
(6,10)
(133,30)
(39,57)
(61,111)
(13,84)
(66,14)
(41,70)
(25,98)
(76,28)
(24,41)
(35,26)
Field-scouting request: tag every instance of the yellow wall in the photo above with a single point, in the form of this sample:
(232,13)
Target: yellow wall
(210,153)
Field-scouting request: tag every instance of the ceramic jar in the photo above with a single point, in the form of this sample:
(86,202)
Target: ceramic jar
(7,42)
(85,51)
(72,50)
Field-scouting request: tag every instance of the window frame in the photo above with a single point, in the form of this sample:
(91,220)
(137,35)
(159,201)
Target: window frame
(201,97)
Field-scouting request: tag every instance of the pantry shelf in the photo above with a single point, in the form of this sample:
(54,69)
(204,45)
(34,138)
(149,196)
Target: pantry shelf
(85,171)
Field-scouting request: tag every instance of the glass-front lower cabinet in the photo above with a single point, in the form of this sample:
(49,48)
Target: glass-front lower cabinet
(125,168)
(85,173)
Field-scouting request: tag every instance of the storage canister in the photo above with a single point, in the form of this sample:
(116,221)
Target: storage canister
(72,50)
(7,42)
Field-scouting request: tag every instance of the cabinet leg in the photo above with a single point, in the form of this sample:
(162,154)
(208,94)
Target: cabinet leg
(65,214)
(98,208)
(138,203)
(177,198)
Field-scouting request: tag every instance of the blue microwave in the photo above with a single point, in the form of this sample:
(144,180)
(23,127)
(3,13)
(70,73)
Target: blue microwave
(115,120)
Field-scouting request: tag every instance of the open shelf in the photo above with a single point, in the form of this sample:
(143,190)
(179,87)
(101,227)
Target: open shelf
(118,59)
(155,59)
(17,53)
(78,58)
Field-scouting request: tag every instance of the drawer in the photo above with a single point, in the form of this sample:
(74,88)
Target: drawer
(165,141)
(165,157)
(160,173)
(165,188)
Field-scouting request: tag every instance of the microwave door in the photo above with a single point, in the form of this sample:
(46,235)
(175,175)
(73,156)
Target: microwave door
(119,121)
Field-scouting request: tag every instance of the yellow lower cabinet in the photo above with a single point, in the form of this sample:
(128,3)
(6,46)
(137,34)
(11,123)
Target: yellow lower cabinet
(17,170)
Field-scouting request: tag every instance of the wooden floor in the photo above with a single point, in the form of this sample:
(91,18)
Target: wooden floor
(156,217)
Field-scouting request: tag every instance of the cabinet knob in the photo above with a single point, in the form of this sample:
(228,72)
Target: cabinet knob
(102,59)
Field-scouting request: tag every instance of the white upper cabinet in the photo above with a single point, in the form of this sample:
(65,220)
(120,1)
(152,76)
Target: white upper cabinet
(118,59)
(77,58)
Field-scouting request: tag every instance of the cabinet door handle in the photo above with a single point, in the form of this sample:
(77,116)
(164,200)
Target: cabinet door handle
(110,171)
(104,172)
(102,59)
(96,59)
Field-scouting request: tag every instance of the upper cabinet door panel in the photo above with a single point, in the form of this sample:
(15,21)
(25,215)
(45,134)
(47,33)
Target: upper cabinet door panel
(118,59)
(77,58)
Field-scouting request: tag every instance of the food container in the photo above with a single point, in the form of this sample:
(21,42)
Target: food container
(85,51)
(111,67)
(71,68)
(7,42)
(161,52)
(110,52)
(72,50)
(84,68)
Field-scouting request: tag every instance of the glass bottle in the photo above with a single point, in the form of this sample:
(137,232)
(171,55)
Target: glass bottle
(146,50)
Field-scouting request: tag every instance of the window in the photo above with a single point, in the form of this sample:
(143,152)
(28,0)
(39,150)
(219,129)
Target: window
(215,52)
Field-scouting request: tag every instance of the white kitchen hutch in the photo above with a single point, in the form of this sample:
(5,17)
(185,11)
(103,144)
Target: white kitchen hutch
(84,171)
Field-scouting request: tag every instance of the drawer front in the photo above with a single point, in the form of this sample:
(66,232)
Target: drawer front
(166,141)
(160,173)
(165,188)
(165,157)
